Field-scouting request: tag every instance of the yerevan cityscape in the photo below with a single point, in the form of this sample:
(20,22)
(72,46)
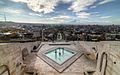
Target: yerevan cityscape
(59,37)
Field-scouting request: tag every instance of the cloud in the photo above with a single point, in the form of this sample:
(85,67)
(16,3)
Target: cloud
(105,17)
(101,3)
(42,6)
(105,1)
(66,1)
(20,1)
(62,17)
(34,14)
(48,6)
(93,6)
(81,5)
(83,14)
(13,11)
(95,12)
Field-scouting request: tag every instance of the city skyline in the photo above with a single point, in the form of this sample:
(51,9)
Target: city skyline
(61,11)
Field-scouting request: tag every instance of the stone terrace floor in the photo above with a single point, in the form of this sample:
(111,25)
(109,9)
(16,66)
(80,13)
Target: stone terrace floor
(81,65)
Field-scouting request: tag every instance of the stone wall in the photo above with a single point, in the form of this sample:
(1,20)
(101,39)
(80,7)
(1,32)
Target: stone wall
(11,55)
(113,65)
(112,48)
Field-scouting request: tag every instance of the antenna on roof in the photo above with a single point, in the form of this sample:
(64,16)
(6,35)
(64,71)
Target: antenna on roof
(4,15)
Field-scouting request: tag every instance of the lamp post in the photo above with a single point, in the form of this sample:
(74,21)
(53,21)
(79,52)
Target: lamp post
(43,34)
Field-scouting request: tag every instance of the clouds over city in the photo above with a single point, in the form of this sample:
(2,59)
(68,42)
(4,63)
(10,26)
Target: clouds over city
(54,10)
(48,6)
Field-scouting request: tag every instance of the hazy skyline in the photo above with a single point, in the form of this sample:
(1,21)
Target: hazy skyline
(61,11)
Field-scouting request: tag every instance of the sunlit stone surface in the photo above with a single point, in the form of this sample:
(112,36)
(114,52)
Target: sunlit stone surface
(11,55)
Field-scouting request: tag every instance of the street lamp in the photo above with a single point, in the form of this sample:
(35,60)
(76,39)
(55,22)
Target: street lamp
(43,34)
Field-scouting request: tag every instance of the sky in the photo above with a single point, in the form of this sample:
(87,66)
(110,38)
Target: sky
(61,11)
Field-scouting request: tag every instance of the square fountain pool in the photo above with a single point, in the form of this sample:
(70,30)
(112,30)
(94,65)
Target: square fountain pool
(60,55)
